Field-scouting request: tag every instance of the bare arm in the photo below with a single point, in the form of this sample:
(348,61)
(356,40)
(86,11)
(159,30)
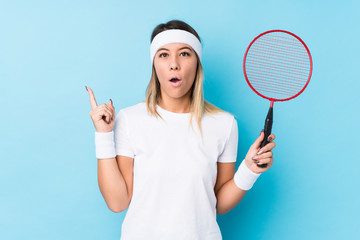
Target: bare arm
(228,196)
(115,182)
(115,175)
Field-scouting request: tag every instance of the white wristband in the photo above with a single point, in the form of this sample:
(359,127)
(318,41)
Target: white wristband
(244,178)
(104,145)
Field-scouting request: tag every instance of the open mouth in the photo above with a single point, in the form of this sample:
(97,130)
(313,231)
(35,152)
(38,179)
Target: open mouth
(174,80)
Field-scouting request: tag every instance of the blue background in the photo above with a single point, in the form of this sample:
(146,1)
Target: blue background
(49,51)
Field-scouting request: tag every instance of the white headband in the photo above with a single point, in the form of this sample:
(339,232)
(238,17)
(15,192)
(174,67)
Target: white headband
(174,36)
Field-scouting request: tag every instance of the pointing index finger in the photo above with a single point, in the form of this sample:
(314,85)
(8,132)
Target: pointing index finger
(92,99)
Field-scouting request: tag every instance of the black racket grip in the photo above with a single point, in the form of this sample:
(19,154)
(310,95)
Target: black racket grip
(267,131)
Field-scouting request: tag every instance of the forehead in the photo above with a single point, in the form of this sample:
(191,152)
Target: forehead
(174,46)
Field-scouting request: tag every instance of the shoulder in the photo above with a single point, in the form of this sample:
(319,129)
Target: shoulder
(222,117)
(219,126)
(219,123)
(131,113)
(136,109)
(217,114)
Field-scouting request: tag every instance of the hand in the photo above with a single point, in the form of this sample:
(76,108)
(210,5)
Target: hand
(257,156)
(103,116)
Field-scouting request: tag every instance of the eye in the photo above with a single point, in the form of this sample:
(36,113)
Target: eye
(185,54)
(162,54)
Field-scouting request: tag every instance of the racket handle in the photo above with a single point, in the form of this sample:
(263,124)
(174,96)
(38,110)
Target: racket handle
(267,131)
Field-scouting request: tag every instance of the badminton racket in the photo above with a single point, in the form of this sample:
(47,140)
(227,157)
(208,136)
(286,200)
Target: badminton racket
(277,66)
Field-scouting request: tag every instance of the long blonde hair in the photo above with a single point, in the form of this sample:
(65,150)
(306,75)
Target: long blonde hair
(198,106)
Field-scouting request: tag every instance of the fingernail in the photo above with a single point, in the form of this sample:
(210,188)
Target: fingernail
(260,152)
(86,88)
(111,101)
(261,131)
(270,139)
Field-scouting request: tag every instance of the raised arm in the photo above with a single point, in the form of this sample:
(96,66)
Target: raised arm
(114,173)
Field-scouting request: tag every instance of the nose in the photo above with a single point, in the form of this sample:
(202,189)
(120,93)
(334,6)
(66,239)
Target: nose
(174,64)
(174,68)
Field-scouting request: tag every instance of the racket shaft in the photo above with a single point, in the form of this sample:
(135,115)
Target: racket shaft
(267,130)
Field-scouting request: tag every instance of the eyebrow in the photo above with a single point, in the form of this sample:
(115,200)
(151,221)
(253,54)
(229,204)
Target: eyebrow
(168,49)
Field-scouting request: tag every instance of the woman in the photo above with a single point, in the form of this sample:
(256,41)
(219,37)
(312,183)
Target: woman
(171,158)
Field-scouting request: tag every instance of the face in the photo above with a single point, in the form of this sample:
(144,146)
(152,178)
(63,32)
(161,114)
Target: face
(175,65)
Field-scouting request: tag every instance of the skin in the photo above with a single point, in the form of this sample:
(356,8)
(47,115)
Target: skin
(227,193)
(178,59)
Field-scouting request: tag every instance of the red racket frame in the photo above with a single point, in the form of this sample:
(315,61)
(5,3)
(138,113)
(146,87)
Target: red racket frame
(274,99)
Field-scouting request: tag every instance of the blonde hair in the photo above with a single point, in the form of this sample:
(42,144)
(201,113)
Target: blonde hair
(198,105)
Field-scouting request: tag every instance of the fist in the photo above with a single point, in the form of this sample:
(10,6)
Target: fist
(257,156)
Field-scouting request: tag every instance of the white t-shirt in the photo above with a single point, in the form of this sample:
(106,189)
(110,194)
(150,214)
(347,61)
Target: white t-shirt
(174,172)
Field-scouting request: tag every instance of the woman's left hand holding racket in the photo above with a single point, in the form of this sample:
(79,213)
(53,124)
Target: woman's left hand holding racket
(258,156)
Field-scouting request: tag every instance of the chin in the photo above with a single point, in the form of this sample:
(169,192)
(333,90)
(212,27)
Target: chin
(177,96)
(176,93)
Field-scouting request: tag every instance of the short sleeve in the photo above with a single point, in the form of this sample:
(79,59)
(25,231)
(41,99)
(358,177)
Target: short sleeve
(123,145)
(229,153)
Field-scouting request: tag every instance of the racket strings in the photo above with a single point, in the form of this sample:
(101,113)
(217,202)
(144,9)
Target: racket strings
(276,87)
(299,56)
(277,65)
(295,63)
(286,72)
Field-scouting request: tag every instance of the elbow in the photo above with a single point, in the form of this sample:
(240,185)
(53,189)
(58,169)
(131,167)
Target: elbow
(220,211)
(117,208)
(223,210)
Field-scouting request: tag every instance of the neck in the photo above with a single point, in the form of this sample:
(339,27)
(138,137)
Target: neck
(177,105)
